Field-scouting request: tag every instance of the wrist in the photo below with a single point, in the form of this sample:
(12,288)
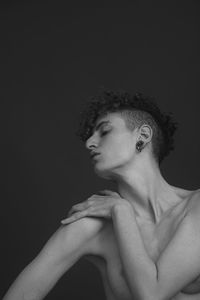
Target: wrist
(121,206)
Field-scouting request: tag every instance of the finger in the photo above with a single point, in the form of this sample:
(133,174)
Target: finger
(107,192)
(71,211)
(76,207)
(74,217)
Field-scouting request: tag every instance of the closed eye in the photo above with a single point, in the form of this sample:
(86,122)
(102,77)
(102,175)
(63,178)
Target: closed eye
(104,133)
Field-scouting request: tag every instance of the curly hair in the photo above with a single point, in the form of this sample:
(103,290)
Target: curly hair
(136,110)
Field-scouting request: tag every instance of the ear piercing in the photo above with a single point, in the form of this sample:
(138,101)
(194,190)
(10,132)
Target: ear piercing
(139,146)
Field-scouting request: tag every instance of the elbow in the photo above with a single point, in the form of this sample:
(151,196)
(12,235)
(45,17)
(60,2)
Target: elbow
(149,297)
(154,295)
(148,293)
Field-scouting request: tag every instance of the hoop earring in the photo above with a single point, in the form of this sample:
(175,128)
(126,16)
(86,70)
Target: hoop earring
(139,146)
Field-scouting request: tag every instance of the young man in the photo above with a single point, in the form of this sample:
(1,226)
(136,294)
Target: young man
(144,238)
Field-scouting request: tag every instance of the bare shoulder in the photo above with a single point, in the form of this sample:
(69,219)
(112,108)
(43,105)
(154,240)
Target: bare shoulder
(193,205)
(190,197)
(189,205)
(93,224)
(86,227)
(73,239)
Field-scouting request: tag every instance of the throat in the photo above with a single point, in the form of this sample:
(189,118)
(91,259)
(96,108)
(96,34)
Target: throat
(157,210)
(150,215)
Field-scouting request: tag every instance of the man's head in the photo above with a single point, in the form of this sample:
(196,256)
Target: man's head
(137,111)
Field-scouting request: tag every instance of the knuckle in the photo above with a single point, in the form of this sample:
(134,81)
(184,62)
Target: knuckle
(74,206)
(89,201)
(90,209)
(104,191)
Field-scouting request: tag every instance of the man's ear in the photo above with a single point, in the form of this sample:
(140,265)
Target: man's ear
(146,133)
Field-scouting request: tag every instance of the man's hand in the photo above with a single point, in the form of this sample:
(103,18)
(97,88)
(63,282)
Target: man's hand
(98,205)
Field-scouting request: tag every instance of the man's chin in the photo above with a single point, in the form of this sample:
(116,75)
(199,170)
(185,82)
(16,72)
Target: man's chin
(105,174)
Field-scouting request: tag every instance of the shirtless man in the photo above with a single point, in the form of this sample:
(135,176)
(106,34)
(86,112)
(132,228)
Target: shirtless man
(144,238)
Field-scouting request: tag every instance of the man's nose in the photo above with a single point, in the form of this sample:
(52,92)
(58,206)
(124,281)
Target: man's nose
(91,142)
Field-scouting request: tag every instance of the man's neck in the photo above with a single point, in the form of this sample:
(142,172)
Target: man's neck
(147,191)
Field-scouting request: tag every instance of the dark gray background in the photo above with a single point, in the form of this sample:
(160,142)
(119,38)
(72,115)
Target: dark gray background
(56,54)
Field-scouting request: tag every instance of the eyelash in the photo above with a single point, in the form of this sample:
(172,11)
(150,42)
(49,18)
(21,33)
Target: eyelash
(104,133)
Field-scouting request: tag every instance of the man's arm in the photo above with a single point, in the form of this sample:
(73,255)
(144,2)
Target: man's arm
(178,265)
(62,250)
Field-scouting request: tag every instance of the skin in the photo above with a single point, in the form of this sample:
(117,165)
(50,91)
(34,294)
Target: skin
(144,209)
(137,175)
(144,238)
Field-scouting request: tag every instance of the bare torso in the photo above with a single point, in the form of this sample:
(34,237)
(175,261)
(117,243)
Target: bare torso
(105,254)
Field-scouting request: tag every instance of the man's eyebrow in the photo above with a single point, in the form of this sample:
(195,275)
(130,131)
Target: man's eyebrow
(100,124)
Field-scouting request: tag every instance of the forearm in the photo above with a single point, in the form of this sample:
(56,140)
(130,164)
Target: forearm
(33,284)
(59,254)
(66,246)
(25,287)
(139,269)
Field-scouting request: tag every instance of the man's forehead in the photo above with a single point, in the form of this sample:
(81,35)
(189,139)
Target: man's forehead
(109,118)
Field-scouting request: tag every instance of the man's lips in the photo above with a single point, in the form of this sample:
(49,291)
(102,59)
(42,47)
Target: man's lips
(94,155)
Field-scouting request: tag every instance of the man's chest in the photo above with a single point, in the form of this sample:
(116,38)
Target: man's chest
(108,259)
